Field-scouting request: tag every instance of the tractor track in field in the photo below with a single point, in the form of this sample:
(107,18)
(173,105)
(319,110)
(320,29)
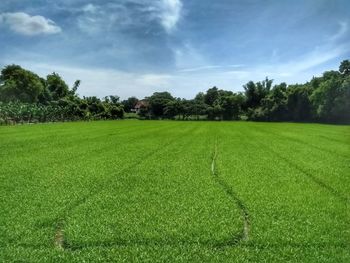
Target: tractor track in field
(98,151)
(313,178)
(303,143)
(244,235)
(334,192)
(61,243)
(235,240)
(59,236)
(61,221)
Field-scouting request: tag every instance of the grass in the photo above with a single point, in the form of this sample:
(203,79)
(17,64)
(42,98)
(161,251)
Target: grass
(148,191)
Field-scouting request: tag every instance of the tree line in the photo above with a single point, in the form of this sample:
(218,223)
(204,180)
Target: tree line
(26,97)
(322,99)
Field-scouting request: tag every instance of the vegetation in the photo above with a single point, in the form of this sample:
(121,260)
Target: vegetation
(174,192)
(323,99)
(27,97)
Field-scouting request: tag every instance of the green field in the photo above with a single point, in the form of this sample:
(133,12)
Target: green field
(158,191)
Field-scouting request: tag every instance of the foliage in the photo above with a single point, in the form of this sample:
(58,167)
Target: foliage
(331,98)
(57,87)
(25,97)
(323,99)
(17,84)
(158,103)
(129,104)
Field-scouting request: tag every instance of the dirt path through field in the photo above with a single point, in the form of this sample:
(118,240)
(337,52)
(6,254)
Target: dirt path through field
(228,190)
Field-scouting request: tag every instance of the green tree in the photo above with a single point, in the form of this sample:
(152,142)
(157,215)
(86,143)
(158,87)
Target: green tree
(231,106)
(75,87)
(173,108)
(18,84)
(56,85)
(273,106)
(330,98)
(341,109)
(256,92)
(298,103)
(345,67)
(158,102)
(129,103)
(211,96)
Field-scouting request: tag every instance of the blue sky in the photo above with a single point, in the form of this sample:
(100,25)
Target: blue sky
(136,47)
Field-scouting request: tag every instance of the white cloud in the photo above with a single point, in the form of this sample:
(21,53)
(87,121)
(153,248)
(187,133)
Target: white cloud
(153,80)
(170,13)
(25,24)
(97,18)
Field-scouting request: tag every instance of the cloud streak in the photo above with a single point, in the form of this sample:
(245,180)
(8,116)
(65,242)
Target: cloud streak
(129,14)
(209,67)
(27,25)
(343,29)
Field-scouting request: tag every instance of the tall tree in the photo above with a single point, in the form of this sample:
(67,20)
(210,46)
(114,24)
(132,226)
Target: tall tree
(158,102)
(211,96)
(18,84)
(231,106)
(345,67)
(56,85)
(256,92)
(329,98)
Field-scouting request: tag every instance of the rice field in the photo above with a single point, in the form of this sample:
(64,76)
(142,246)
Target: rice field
(167,191)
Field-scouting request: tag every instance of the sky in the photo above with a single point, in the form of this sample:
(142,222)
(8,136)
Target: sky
(137,47)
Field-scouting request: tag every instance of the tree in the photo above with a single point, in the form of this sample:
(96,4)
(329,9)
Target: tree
(173,108)
(256,92)
(75,87)
(330,98)
(113,108)
(231,106)
(214,112)
(298,103)
(158,102)
(18,84)
(95,105)
(341,109)
(129,104)
(114,99)
(345,67)
(56,85)
(116,112)
(274,105)
(211,96)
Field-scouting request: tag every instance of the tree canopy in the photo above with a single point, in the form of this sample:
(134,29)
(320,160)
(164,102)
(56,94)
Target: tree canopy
(18,84)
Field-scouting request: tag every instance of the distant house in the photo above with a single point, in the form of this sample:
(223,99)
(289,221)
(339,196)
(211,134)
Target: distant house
(139,105)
